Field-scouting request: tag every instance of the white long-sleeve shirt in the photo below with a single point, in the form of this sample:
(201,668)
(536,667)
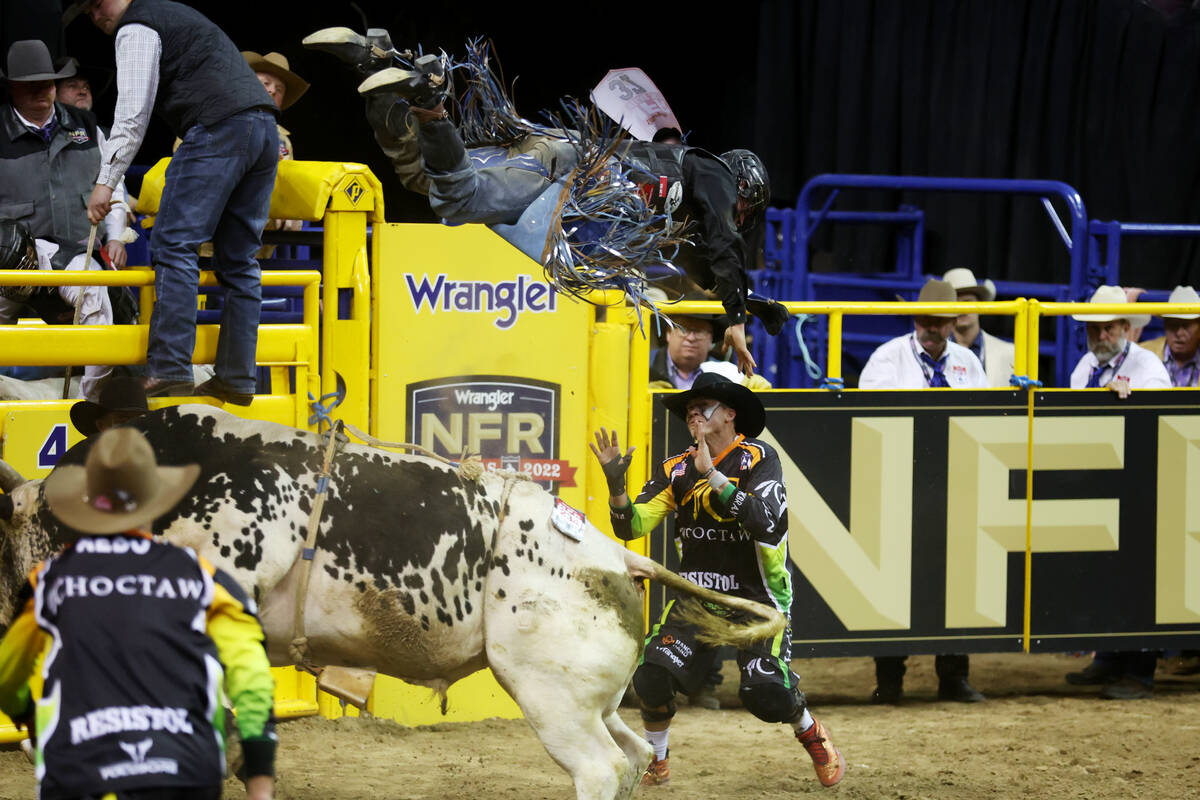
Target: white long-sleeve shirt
(139,49)
(896,364)
(1140,368)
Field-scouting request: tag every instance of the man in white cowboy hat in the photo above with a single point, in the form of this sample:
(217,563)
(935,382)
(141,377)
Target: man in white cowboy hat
(50,154)
(1179,349)
(997,355)
(139,637)
(730,508)
(927,358)
(1112,360)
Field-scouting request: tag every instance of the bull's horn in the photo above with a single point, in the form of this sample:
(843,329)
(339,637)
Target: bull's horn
(9,477)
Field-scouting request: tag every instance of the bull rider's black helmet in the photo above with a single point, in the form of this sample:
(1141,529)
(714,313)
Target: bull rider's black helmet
(753,185)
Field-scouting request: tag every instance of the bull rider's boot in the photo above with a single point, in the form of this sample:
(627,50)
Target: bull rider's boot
(659,772)
(827,761)
(366,54)
(426,85)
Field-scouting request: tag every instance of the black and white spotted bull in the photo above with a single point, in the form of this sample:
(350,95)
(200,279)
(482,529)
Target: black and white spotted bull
(419,574)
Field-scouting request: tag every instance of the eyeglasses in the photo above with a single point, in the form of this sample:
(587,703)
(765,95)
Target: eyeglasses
(698,331)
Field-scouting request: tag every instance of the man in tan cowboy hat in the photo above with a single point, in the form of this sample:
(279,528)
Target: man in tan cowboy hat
(1180,348)
(135,633)
(1112,360)
(50,155)
(730,509)
(927,358)
(997,355)
(285,88)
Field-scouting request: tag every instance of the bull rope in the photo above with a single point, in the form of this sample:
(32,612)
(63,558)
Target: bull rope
(469,468)
(298,648)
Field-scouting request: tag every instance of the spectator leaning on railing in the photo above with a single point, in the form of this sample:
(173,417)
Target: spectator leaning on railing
(1113,361)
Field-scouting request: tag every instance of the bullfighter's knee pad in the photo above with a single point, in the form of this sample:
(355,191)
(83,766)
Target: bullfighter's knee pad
(772,702)
(656,689)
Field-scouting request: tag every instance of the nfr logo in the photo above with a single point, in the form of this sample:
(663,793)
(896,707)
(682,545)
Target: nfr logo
(511,423)
(354,190)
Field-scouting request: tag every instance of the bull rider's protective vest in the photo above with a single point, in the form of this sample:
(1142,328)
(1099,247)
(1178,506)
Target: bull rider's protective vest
(658,171)
(203,77)
(137,710)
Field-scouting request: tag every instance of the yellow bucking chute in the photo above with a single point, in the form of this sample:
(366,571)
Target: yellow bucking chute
(303,190)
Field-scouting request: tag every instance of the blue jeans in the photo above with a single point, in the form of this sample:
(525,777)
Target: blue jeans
(218,188)
(489,184)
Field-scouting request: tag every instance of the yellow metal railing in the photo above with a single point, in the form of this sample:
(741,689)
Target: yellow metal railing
(1038,309)
(288,345)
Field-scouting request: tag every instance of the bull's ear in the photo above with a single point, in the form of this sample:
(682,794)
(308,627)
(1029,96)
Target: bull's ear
(6,507)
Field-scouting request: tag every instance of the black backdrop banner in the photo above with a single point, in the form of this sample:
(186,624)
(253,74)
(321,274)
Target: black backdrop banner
(1102,95)
(906,519)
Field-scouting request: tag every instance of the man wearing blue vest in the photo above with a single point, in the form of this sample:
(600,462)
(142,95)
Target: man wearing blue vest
(174,61)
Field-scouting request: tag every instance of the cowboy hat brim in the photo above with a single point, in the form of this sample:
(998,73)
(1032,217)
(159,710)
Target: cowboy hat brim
(986,290)
(294,85)
(66,71)
(751,416)
(1100,317)
(926,313)
(85,414)
(66,487)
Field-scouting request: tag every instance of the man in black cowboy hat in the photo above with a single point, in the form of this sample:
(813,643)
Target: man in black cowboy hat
(50,155)
(138,632)
(122,400)
(731,527)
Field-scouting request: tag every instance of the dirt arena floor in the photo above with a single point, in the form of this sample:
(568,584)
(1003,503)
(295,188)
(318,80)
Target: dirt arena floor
(1036,737)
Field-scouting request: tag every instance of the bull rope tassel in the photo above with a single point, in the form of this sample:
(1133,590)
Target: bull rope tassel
(298,648)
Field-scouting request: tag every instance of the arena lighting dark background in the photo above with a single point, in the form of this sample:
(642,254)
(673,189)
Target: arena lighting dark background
(1102,94)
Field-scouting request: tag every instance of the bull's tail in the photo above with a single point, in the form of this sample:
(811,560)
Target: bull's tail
(712,629)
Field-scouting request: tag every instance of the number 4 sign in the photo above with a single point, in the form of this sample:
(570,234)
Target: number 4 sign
(53,447)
